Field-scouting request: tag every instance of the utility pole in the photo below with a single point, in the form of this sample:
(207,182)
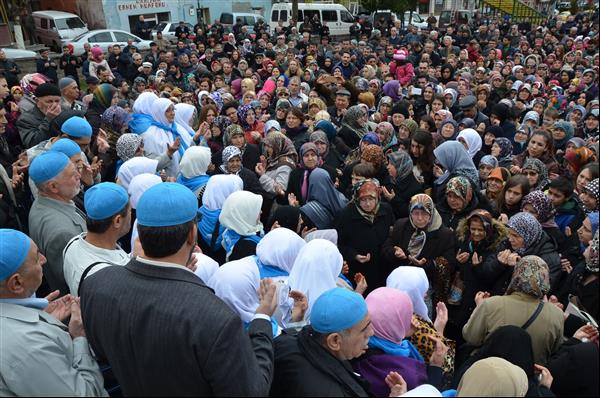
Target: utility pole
(295,10)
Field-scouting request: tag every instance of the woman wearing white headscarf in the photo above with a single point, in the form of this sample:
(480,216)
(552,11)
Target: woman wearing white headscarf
(237,284)
(243,230)
(184,118)
(316,270)
(413,281)
(142,119)
(192,169)
(210,231)
(163,133)
(138,185)
(472,142)
(276,253)
(133,167)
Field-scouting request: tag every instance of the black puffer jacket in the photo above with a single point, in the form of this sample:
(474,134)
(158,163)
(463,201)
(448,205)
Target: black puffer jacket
(499,275)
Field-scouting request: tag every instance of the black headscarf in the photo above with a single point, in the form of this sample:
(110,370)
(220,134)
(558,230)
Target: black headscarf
(286,216)
(508,342)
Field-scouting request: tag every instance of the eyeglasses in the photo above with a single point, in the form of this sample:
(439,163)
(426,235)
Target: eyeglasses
(530,173)
(283,95)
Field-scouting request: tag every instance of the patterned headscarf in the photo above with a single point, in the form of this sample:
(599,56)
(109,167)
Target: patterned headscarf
(528,228)
(128,145)
(30,82)
(242,113)
(103,95)
(578,157)
(230,132)
(539,167)
(115,118)
(403,163)
(530,276)
(489,160)
(387,130)
(591,263)
(461,187)
(592,188)
(367,187)
(284,152)
(352,122)
(419,236)
(373,154)
(227,154)
(222,122)
(506,148)
(217,99)
(542,205)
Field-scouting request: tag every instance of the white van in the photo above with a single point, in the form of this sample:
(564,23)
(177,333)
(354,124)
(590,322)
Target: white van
(228,19)
(337,17)
(56,28)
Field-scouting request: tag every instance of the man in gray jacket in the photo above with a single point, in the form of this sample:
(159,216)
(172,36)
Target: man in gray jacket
(54,220)
(41,356)
(34,126)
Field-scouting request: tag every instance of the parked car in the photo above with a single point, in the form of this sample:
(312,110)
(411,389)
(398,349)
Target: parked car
(228,19)
(417,20)
(17,53)
(106,37)
(56,28)
(336,16)
(168,30)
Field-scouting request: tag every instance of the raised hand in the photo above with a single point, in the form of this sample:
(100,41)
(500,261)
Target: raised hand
(396,384)
(267,293)
(300,305)
(439,353)
(361,283)
(441,318)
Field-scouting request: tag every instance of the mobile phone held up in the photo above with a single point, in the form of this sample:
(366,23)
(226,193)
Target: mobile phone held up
(417,91)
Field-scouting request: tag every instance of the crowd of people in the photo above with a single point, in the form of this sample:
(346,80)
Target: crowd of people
(399,212)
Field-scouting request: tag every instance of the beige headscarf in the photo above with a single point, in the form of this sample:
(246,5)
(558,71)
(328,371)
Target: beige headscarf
(493,377)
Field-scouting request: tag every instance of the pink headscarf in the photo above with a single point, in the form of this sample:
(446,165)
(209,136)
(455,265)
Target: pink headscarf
(269,86)
(445,114)
(96,53)
(391,312)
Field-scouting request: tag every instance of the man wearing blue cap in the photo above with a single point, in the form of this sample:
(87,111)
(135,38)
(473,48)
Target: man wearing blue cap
(108,220)
(78,130)
(315,362)
(54,219)
(163,331)
(40,355)
(75,128)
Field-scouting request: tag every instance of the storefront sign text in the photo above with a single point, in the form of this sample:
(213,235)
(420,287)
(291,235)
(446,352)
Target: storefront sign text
(141,5)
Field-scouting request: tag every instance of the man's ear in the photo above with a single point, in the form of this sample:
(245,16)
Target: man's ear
(192,236)
(334,342)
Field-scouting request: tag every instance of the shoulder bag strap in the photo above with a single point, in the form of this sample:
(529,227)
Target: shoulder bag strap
(86,272)
(534,316)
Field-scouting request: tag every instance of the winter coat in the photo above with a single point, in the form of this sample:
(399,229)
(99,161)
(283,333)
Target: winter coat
(357,236)
(404,190)
(403,73)
(499,275)
(439,243)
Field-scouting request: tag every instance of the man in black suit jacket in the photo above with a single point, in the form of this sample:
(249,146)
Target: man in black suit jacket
(162,330)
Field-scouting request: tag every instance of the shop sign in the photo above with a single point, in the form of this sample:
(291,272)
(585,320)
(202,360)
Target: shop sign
(141,5)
